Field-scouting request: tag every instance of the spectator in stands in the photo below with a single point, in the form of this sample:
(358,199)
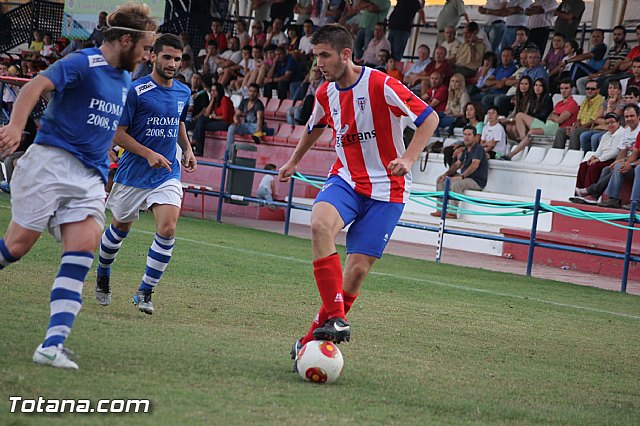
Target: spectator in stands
(494,138)
(450,15)
(285,71)
(199,95)
(590,170)
(282,9)
(564,114)
(632,96)
(556,54)
(268,63)
(216,36)
(392,70)
(515,18)
(613,103)
(258,37)
(305,40)
(457,98)
(210,65)
(589,111)
(241,33)
(31,54)
(590,194)
(451,44)
(615,54)
(414,74)
(622,68)
(475,117)
(248,118)
(371,12)
(267,187)
(184,36)
(540,15)
(523,100)
(568,16)
(634,80)
(300,113)
(218,115)
(619,174)
(470,53)
(262,9)
(48,54)
(595,57)
(276,36)
(563,70)
(521,44)
(247,68)
(476,84)
(495,83)
(186,67)
(495,24)
(303,9)
(293,43)
(229,60)
(97,35)
(437,94)
(252,75)
(232,72)
(474,168)
(534,69)
(400,24)
(376,44)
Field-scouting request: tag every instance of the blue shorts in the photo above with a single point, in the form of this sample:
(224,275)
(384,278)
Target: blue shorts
(372,221)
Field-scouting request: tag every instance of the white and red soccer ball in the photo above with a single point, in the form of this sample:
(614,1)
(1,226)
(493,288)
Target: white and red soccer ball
(320,362)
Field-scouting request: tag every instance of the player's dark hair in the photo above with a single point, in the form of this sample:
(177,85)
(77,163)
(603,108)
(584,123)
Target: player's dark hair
(335,35)
(472,128)
(170,40)
(131,18)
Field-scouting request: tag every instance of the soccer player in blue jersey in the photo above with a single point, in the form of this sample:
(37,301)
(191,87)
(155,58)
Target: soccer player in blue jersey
(59,183)
(148,173)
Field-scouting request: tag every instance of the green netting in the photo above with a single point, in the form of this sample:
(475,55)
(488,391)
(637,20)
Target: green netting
(432,199)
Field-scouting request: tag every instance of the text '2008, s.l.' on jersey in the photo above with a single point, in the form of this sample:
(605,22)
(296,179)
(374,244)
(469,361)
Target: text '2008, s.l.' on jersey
(83,113)
(152,114)
(365,119)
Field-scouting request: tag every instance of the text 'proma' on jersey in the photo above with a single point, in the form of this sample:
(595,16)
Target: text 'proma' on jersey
(152,116)
(365,119)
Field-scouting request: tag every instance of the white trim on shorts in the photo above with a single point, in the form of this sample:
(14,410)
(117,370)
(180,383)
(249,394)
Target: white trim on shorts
(125,202)
(51,187)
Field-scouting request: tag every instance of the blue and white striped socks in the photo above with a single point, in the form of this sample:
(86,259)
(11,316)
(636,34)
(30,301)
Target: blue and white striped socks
(66,295)
(5,256)
(109,245)
(157,261)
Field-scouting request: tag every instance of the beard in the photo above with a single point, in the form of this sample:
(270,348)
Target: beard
(128,59)
(164,74)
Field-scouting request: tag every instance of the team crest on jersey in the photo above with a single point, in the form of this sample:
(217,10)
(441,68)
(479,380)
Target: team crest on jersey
(362,102)
(143,88)
(335,111)
(180,106)
(96,61)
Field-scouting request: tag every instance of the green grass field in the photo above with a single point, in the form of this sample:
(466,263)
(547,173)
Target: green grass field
(431,344)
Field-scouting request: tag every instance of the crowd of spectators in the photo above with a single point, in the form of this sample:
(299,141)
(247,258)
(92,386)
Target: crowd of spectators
(496,78)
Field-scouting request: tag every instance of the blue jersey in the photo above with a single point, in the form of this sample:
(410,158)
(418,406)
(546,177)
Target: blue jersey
(83,113)
(152,114)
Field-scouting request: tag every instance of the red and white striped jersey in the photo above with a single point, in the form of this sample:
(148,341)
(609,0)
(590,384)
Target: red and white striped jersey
(365,119)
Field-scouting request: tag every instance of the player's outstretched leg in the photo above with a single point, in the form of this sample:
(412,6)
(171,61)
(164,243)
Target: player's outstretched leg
(5,257)
(157,261)
(110,243)
(66,301)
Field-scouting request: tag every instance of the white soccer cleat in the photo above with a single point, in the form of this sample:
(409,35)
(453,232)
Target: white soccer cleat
(55,356)
(103,291)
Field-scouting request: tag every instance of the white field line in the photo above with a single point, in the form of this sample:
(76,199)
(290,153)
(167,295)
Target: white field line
(419,280)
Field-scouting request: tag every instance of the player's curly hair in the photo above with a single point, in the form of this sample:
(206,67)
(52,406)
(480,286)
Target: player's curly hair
(334,35)
(130,18)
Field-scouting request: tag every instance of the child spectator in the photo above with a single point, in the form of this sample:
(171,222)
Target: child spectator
(392,71)
(267,188)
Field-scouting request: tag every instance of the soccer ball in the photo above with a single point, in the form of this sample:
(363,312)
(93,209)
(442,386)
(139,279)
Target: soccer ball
(320,362)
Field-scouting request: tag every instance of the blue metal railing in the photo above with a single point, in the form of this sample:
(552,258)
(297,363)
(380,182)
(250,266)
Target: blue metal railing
(538,208)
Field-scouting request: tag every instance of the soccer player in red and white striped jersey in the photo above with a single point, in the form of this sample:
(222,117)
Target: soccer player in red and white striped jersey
(370,180)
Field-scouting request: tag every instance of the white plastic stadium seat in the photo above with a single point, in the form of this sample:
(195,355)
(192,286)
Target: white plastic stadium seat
(532,159)
(571,161)
(552,160)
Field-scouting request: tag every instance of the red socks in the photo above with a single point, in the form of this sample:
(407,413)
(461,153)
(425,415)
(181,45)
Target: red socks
(328,273)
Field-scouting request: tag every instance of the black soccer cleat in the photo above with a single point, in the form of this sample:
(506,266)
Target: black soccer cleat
(295,349)
(334,330)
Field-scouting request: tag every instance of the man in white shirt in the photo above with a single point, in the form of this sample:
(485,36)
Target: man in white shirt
(451,43)
(540,21)
(305,40)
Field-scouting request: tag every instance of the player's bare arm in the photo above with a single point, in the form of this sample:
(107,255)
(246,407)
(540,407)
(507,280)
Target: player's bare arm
(401,166)
(126,142)
(306,142)
(188,159)
(11,134)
